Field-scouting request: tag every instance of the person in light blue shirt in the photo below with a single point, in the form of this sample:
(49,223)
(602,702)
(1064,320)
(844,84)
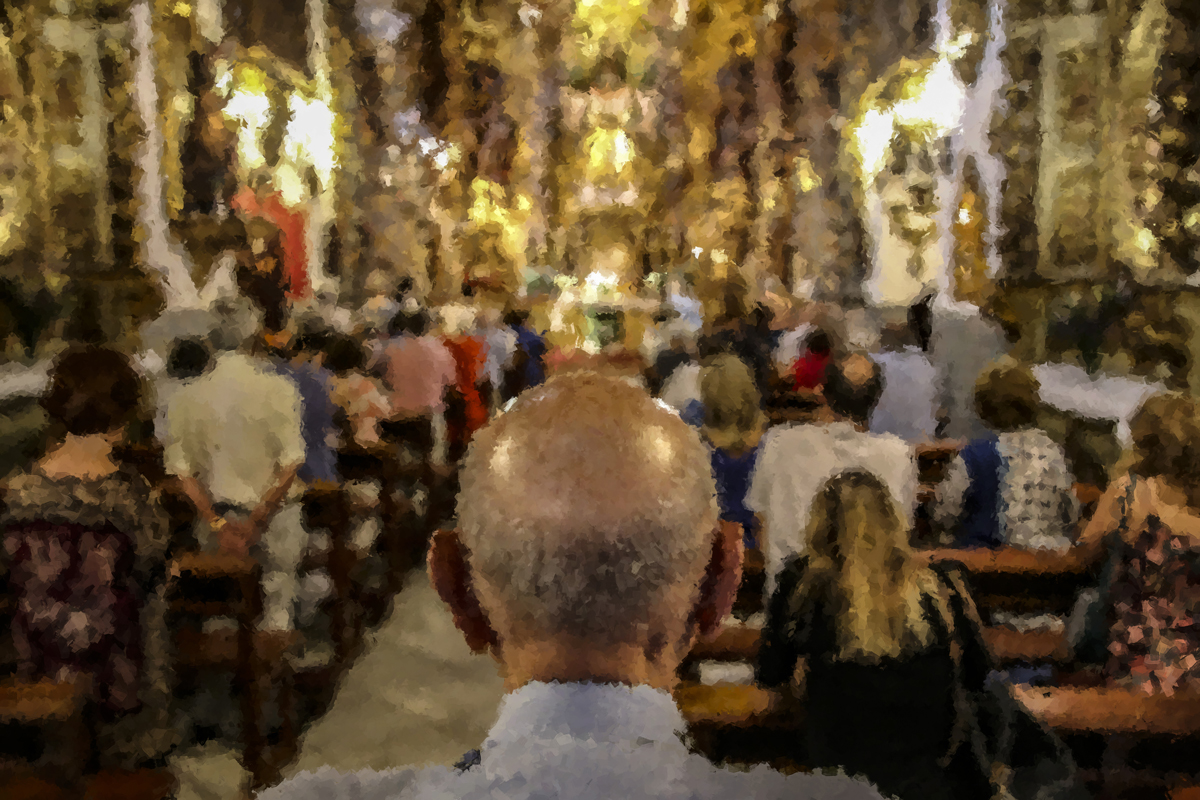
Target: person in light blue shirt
(587,562)
(909,403)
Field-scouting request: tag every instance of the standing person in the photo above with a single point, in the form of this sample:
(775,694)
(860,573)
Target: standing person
(236,444)
(86,543)
(304,366)
(418,369)
(588,603)
(734,425)
(797,460)
(1012,486)
(529,368)
(909,405)
(873,628)
(470,356)
(261,200)
(355,395)
(501,342)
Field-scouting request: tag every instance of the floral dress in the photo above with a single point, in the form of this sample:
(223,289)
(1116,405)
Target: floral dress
(1154,639)
(85,559)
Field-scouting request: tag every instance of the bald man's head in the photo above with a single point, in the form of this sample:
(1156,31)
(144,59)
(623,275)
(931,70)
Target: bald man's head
(583,507)
(853,386)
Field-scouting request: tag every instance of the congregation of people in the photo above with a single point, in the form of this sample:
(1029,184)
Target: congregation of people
(591,546)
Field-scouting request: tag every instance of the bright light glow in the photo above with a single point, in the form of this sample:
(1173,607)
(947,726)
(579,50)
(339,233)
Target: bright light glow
(309,140)
(1145,241)
(442,159)
(697,252)
(940,100)
(253,110)
(964,216)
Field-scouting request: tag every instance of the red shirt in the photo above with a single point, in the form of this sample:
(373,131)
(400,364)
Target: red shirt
(469,356)
(291,230)
(810,370)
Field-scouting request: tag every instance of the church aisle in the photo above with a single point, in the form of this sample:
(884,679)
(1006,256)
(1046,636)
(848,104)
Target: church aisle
(416,695)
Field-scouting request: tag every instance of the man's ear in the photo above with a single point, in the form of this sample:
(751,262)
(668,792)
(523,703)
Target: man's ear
(721,579)
(451,579)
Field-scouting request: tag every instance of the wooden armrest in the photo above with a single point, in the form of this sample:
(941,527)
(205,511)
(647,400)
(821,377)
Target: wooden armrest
(1113,710)
(25,701)
(220,648)
(938,451)
(734,706)
(213,566)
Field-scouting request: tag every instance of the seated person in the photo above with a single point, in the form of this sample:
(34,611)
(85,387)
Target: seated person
(796,460)
(734,425)
(357,396)
(86,544)
(871,627)
(1012,487)
(1147,526)
(588,560)
(809,371)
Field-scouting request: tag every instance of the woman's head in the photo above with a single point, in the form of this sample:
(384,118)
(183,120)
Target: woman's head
(1166,439)
(860,556)
(93,390)
(1007,398)
(733,417)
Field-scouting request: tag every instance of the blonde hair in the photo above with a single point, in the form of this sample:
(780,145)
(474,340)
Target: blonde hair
(861,563)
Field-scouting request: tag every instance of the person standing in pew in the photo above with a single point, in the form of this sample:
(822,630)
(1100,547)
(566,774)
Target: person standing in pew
(734,425)
(418,369)
(587,561)
(86,543)
(1012,487)
(796,460)
(866,629)
(236,443)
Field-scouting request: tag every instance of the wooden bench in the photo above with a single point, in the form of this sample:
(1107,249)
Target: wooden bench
(59,708)
(740,643)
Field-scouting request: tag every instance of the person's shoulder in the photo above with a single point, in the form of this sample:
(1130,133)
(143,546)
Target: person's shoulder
(328,783)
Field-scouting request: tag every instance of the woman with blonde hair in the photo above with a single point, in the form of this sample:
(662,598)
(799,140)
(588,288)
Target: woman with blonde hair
(883,640)
(734,425)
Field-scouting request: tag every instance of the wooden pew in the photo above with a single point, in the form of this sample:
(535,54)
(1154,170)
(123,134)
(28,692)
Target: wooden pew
(1110,710)
(740,643)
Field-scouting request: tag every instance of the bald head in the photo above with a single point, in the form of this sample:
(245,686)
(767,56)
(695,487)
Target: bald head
(853,386)
(584,506)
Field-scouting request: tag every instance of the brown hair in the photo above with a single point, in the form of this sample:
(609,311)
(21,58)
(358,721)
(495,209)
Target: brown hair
(1007,398)
(93,390)
(1166,442)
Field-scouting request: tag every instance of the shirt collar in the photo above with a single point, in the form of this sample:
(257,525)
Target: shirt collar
(597,712)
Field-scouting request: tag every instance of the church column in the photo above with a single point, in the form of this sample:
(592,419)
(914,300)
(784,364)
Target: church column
(813,162)
(768,190)
(453,182)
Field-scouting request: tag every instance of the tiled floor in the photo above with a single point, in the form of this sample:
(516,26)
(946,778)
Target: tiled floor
(416,695)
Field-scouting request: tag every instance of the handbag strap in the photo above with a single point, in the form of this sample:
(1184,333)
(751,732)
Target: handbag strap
(966,724)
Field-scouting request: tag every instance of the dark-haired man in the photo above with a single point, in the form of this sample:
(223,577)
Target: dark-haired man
(417,369)
(797,460)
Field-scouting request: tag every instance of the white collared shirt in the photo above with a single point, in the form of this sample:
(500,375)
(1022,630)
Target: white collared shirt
(234,428)
(577,741)
(797,460)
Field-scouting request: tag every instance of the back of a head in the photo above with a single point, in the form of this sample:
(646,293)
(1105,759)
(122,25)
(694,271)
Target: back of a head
(853,386)
(584,509)
(1007,398)
(1166,439)
(344,354)
(92,390)
(820,343)
(861,562)
(730,396)
(409,324)
(189,359)
(896,337)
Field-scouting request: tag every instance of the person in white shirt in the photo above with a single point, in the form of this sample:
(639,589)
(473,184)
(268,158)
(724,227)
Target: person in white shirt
(797,460)
(909,404)
(588,561)
(235,442)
